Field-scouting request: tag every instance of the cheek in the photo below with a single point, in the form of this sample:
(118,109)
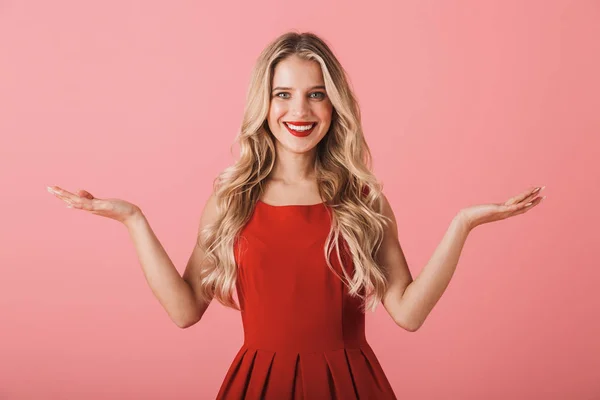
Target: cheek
(325,113)
(276,111)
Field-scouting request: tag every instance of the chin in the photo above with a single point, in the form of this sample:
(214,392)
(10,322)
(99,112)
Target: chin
(298,149)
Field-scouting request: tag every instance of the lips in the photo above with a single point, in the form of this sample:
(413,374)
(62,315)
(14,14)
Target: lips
(299,123)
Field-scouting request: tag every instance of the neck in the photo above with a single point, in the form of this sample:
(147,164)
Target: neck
(293,168)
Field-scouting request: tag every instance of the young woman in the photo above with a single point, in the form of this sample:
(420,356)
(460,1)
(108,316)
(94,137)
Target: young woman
(300,230)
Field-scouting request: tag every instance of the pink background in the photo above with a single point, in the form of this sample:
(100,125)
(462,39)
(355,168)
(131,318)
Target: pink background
(463,102)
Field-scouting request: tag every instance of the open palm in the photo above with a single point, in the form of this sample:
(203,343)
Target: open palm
(519,204)
(117,209)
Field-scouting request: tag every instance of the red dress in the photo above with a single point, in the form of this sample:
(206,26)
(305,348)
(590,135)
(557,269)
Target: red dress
(304,336)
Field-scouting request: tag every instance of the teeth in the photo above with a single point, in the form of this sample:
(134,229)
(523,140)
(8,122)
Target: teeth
(300,128)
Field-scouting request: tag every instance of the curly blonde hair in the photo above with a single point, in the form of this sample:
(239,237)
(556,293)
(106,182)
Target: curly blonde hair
(342,167)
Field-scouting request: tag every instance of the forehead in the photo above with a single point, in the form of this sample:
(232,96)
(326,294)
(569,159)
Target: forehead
(297,72)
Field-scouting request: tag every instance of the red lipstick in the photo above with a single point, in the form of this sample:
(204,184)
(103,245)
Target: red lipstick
(300,123)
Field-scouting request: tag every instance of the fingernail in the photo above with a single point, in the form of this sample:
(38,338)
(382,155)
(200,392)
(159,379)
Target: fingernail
(536,190)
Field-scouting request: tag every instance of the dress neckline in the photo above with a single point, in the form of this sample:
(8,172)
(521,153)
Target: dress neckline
(291,205)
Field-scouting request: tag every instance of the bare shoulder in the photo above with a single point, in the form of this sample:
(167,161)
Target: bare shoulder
(209,212)
(387,211)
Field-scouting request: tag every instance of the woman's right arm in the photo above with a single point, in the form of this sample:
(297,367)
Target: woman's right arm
(177,294)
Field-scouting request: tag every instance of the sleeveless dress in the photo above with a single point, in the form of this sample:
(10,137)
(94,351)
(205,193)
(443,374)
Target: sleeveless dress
(304,336)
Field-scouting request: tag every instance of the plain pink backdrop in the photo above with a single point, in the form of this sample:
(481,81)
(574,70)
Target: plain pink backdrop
(463,103)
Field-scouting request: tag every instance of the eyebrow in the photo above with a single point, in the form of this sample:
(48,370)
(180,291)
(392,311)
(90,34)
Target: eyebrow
(289,88)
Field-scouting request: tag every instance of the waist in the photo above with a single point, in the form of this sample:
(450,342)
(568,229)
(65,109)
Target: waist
(297,338)
(295,345)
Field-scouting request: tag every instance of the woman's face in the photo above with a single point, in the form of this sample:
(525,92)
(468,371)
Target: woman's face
(298,96)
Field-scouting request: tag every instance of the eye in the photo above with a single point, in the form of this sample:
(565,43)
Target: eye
(280,93)
(321,95)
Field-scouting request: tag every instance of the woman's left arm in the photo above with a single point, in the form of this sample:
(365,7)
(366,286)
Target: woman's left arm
(409,301)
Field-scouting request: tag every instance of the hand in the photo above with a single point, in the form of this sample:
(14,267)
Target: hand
(116,209)
(484,213)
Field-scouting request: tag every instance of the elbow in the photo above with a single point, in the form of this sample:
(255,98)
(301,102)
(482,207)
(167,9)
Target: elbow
(183,324)
(191,317)
(411,327)
(408,324)
(188,320)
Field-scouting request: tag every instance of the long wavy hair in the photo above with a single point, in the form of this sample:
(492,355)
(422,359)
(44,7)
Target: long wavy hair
(343,170)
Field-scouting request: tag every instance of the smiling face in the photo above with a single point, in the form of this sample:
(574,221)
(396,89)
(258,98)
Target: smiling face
(300,110)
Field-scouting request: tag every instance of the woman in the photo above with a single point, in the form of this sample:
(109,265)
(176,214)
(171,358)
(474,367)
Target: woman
(299,228)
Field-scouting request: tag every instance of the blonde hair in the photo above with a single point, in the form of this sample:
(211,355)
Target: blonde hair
(342,167)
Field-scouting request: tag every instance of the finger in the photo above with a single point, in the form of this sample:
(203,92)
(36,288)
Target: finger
(522,208)
(70,199)
(63,194)
(85,193)
(534,195)
(522,196)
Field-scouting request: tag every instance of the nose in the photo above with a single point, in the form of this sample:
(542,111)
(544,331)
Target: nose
(300,107)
